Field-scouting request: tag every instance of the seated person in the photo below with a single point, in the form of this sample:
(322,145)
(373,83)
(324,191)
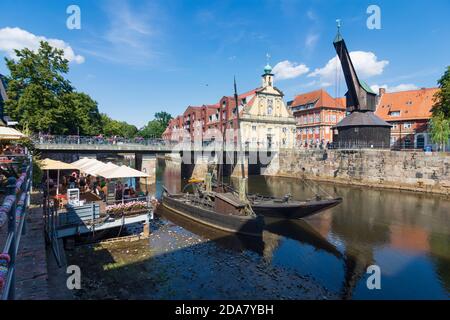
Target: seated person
(126,192)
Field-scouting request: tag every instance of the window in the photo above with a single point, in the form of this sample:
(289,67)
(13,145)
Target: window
(254,128)
(333,118)
(407,125)
(394,113)
(284,130)
(269,106)
(317,118)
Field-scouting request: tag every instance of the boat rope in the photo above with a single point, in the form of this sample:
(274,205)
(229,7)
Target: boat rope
(317,186)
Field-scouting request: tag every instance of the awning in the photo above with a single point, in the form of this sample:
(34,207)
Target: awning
(81,161)
(123,172)
(8,133)
(86,165)
(106,168)
(49,164)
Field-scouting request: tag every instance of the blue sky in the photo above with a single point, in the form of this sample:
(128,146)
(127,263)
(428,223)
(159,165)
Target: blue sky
(139,57)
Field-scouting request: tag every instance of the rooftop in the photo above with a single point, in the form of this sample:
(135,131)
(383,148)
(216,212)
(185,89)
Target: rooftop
(406,105)
(320,98)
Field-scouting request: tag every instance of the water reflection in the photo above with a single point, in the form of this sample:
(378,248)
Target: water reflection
(406,234)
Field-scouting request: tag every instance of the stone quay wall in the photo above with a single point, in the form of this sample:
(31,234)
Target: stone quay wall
(405,170)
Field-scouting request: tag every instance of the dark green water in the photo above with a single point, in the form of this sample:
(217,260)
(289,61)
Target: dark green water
(406,234)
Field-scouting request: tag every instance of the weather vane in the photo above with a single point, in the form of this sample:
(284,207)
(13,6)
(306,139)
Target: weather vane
(267,58)
(338,23)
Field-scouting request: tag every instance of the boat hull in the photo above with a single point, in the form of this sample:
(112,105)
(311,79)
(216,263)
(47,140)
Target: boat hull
(247,225)
(294,210)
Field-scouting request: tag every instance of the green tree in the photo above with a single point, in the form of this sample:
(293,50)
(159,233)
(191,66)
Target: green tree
(440,121)
(155,128)
(440,130)
(35,87)
(86,119)
(442,97)
(112,127)
(163,117)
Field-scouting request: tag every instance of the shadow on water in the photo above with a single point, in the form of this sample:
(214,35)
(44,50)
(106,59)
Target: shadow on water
(406,234)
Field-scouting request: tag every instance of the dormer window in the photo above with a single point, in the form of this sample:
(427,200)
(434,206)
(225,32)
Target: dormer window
(394,113)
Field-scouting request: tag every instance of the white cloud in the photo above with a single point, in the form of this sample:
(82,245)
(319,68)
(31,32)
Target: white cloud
(311,40)
(16,38)
(289,70)
(400,87)
(132,35)
(311,15)
(366,64)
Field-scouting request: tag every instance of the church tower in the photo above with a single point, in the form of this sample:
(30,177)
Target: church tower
(267,77)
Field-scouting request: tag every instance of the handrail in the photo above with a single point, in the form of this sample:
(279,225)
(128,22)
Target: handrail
(96,140)
(15,206)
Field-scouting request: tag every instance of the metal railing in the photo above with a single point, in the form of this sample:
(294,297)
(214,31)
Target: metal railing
(98,140)
(15,206)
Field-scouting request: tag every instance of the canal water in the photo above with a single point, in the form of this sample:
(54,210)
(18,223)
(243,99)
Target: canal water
(406,234)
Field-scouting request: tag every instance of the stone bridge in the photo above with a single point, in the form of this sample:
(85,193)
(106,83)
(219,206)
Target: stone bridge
(193,157)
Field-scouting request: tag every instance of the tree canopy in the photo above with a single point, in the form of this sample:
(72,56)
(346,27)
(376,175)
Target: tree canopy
(112,127)
(155,128)
(440,121)
(442,97)
(41,99)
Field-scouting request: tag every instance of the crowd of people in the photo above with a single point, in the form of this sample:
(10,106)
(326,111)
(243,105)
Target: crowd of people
(96,140)
(315,145)
(11,149)
(87,183)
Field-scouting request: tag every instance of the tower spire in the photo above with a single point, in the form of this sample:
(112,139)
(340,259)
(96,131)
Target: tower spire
(338,35)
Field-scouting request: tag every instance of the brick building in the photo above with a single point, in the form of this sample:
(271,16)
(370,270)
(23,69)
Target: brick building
(409,113)
(264,118)
(316,113)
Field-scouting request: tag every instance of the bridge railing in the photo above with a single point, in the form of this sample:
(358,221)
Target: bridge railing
(14,209)
(96,140)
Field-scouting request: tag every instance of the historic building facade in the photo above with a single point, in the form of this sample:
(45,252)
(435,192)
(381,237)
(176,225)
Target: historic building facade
(409,113)
(316,113)
(265,120)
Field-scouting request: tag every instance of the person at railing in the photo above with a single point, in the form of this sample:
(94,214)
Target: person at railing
(82,182)
(72,180)
(104,190)
(119,191)
(126,192)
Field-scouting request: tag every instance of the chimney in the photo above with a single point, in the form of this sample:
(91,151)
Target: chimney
(381,91)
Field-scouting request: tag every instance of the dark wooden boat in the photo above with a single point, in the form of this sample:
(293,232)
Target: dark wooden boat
(285,208)
(223,211)
(290,209)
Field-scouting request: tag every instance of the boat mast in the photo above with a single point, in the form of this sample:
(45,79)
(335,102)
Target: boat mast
(240,154)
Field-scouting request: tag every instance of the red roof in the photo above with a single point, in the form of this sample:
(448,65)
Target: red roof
(320,98)
(406,105)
